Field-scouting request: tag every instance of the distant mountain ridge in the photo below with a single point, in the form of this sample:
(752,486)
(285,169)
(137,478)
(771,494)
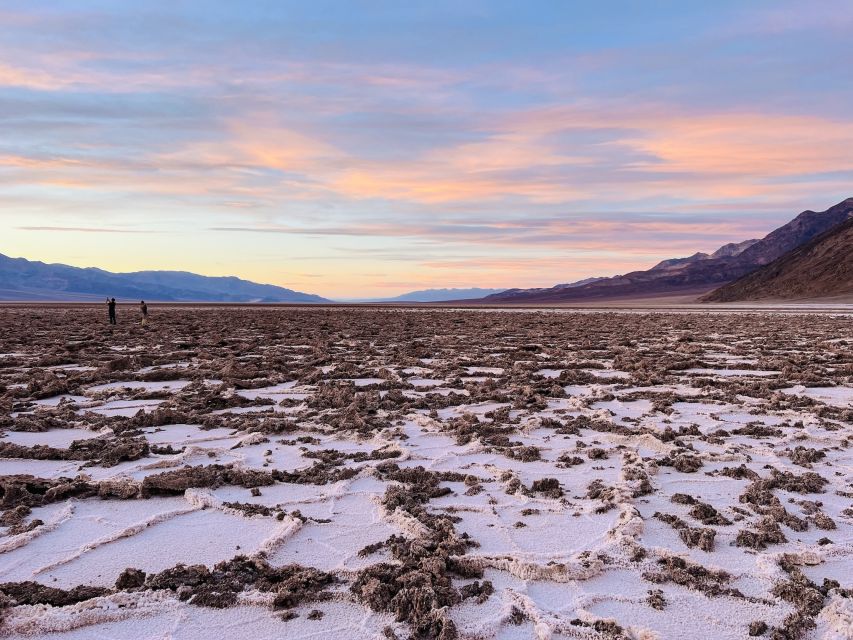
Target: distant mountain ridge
(729,250)
(733,249)
(696,274)
(439,295)
(821,268)
(509,294)
(22,279)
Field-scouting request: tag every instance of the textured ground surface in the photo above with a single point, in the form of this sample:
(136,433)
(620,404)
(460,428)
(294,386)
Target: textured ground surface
(363,473)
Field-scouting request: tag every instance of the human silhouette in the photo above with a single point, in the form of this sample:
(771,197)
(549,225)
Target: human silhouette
(144,309)
(111,306)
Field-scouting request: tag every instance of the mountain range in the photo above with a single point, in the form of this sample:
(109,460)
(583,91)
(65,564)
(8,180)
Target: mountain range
(510,295)
(438,295)
(695,275)
(821,268)
(809,257)
(22,279)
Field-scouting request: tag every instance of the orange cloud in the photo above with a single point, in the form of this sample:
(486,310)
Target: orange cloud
(701,156)
(715,156)
(693,157)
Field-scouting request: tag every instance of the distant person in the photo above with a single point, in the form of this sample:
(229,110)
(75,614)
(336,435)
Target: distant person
(111,306)
(144,309)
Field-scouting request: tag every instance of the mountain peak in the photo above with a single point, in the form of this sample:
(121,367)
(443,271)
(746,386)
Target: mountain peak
(733,249)
(678,263)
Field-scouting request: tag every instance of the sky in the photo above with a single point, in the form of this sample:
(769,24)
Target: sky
(365,148)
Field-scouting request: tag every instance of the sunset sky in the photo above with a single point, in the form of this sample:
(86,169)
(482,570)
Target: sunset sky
(356,149)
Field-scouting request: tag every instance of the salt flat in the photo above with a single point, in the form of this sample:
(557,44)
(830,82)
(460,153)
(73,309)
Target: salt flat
(416,473)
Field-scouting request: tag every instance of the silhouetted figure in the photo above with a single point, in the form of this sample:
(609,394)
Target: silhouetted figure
(144,309)
(111,306)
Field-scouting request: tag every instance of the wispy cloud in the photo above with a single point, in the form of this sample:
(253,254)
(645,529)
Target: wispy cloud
(83,229)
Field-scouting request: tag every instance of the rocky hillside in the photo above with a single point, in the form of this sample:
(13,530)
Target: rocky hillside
(697,274)
(821,268)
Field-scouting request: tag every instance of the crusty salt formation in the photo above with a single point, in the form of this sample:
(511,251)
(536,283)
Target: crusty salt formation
(426,473)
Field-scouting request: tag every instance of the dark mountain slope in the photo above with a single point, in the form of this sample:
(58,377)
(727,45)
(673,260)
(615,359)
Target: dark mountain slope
(511,294)
(821,268)
(697,273)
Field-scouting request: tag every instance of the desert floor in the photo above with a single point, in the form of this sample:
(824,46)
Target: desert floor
(425,473)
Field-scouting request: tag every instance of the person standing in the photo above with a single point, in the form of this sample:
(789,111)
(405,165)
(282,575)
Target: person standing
(144,309)
(111,307)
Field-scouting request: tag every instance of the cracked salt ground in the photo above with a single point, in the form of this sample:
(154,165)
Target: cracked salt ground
(621,410)
(541,541)
(54,438)
(183,434)
(189,534)
(836,396)
(365,382)
(711,417)
(50,469)
(125,408)
(163,367)
(731,372)
(138,385)
(156,616)
(687,614)
(356,523)
(728,357)
(491,370)
(436,391)
(679,389)
(425,382)
(608,373)
(277,391)
(415,371)
(548,498)
(621,595)
(55,400)
(723,555)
